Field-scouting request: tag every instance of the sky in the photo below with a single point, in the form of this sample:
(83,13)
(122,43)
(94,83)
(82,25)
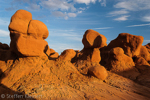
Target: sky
(67,20)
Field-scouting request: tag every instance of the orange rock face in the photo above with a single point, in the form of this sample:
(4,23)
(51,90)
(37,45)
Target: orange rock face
(131,44)
(38,29)
(120,63)
(27,35)
(148,47)
(67,55)
(92,39)
(98,71)
(20,21)
(144,53)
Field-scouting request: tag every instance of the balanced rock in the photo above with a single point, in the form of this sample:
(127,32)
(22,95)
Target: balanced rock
(27,35)
(92,39)
(67,55)
(131,44)
(98,71)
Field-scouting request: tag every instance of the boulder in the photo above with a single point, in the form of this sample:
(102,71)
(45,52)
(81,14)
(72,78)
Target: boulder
(29,46)
(131,44)
(20,21)
(92,39)
(67,55)
(144,53)
(98,71)
(53,54)
(38,29)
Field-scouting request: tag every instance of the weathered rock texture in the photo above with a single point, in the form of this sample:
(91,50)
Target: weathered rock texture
(90,74)
(131,44)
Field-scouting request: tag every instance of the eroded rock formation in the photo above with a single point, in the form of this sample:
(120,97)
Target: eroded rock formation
(29,67)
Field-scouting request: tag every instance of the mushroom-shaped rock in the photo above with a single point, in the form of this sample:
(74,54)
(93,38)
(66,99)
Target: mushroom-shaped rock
(92,39)
(98,71)
(20,21)
(38,29)
(67,55)
(131,44)
(27,35)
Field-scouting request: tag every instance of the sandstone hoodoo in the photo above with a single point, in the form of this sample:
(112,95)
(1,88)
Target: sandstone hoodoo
(30,68)
(27,35)
(92,39)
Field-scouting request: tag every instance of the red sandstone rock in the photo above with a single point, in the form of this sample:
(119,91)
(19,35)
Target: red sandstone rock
(27,35)
(144,53)
(38,29)
(141,61)
(121,64)
(92,39)
(95,57)
(20,21)
(67,55)
(31,47)
(98,71)
(131,44)
(148,47)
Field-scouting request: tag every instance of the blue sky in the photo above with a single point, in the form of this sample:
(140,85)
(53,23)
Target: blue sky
(67,20)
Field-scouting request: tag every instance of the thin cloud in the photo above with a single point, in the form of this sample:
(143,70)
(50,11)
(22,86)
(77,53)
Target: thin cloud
(147,41)
(119,12)
(146,18)
(102,28)
(139,25)
(122,18)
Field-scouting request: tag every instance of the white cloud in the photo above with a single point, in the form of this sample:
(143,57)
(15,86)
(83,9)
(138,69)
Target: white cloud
(122,18)
(147,41)
(4,33)
(57,5)
(146,18)
(72,14)
(85,1)
(133,5)
(119,12)
(139,25)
